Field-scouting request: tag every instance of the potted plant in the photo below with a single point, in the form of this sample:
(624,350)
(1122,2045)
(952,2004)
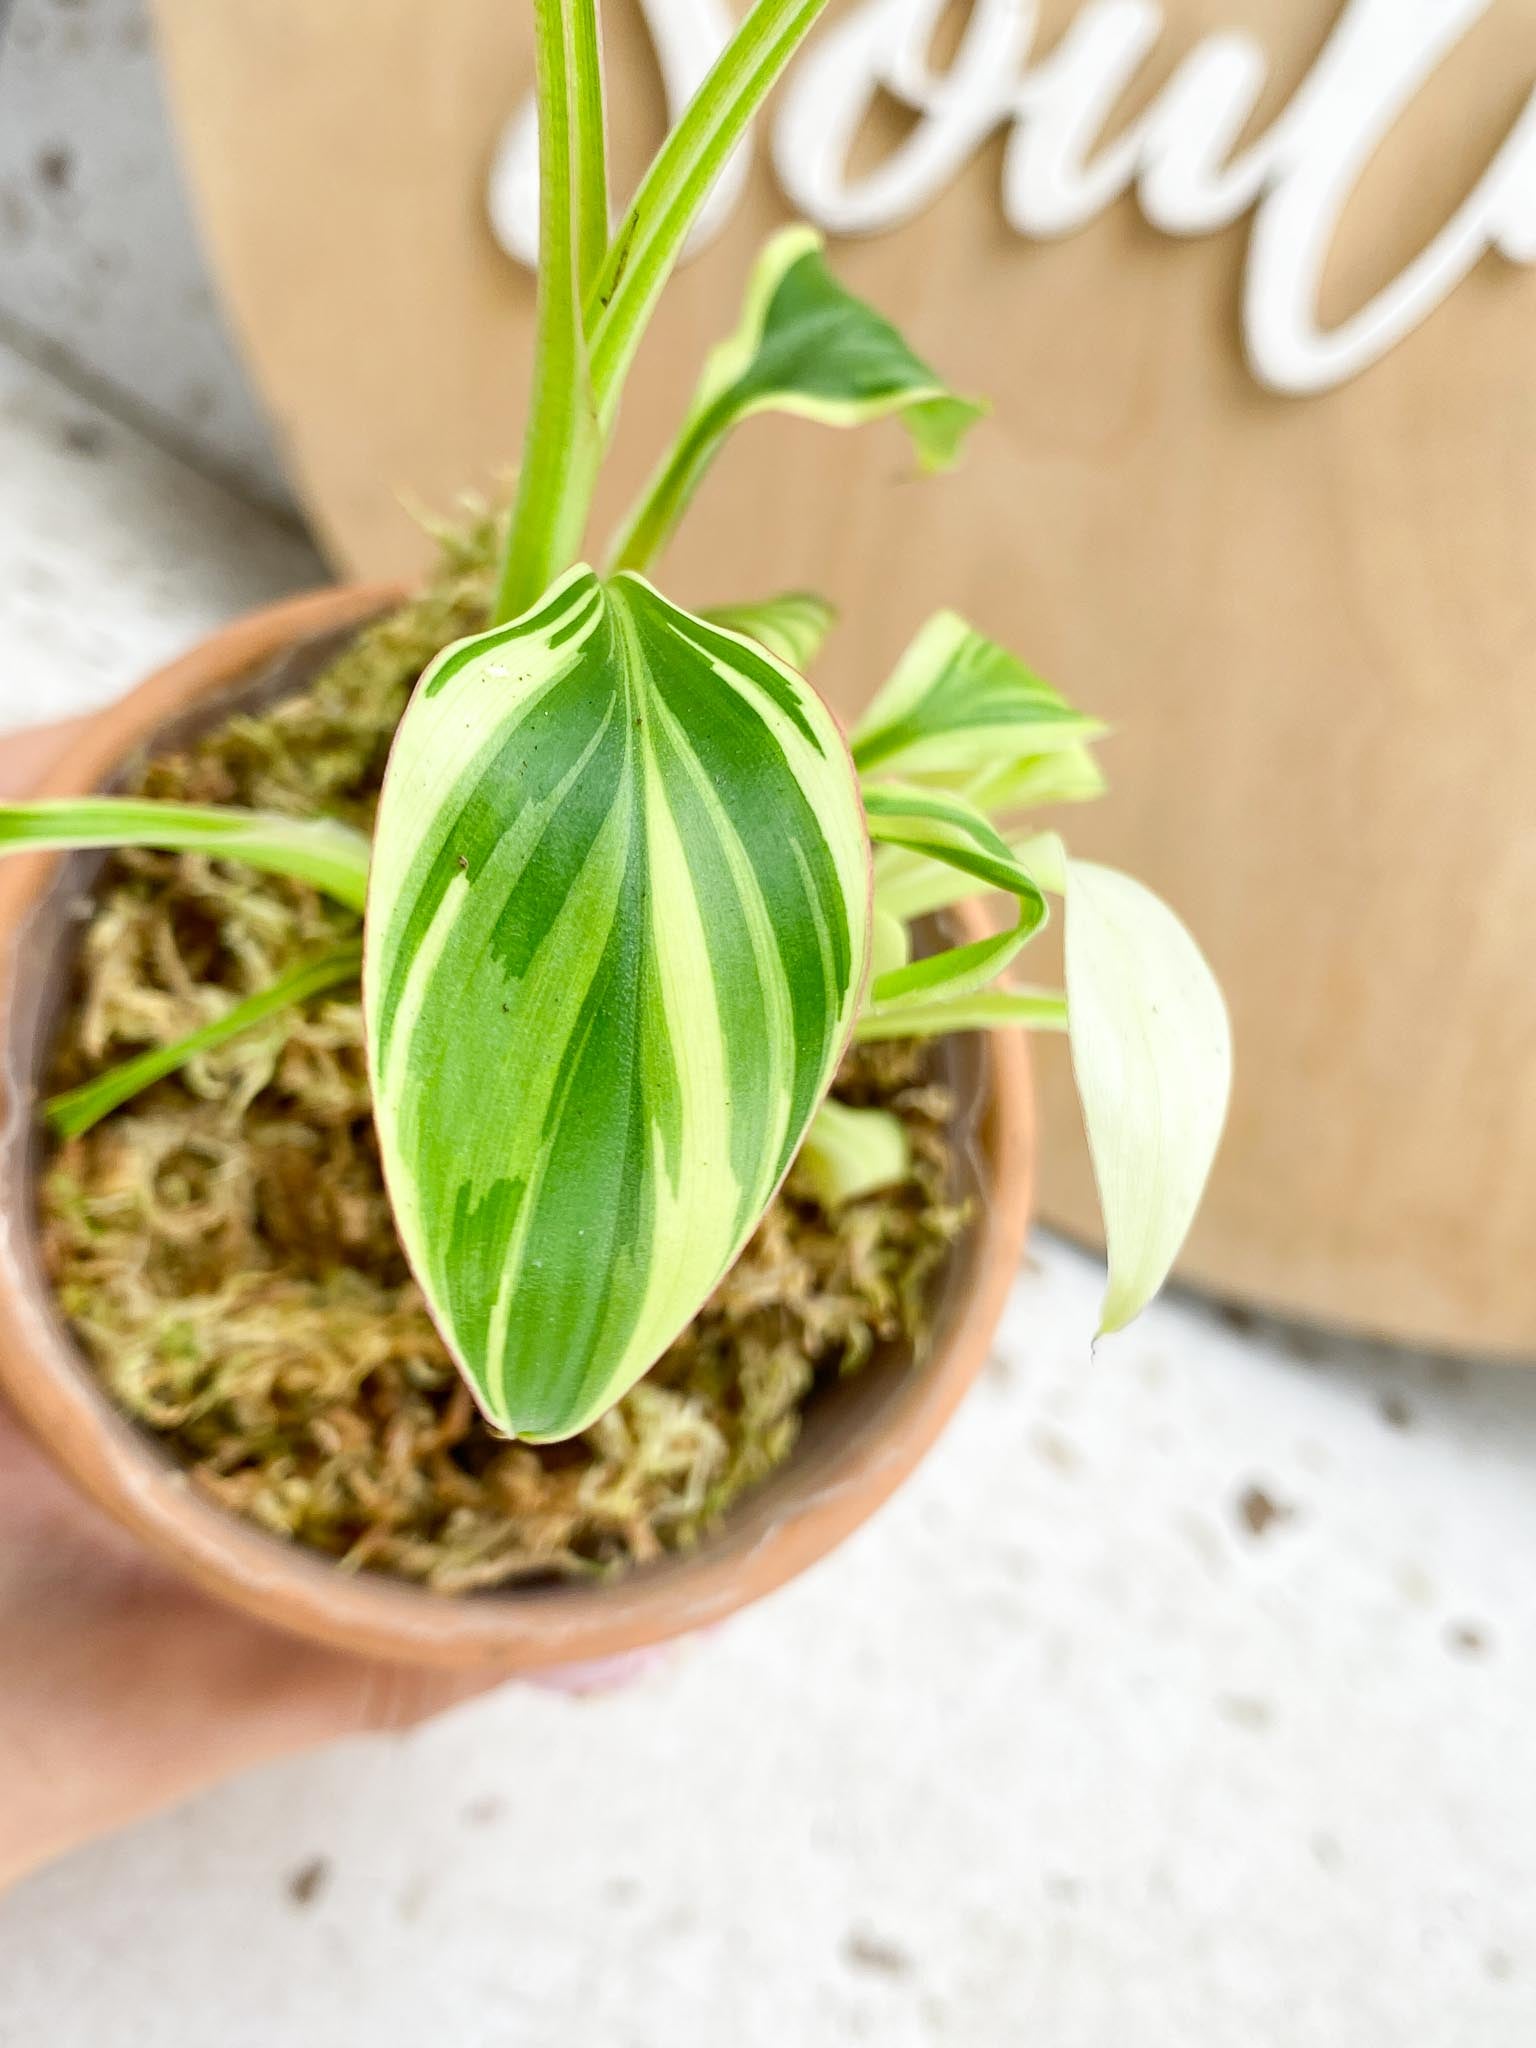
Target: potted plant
(559,1135)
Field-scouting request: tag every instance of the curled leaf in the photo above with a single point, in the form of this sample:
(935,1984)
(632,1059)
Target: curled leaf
(948,836)
(1067,775)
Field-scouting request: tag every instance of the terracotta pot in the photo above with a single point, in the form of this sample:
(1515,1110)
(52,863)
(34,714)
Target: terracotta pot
(859,1442)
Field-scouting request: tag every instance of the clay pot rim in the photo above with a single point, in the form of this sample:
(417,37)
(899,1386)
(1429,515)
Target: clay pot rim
(521,1629)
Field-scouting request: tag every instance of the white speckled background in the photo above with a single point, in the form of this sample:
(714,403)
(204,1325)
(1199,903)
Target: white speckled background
(1080,1744)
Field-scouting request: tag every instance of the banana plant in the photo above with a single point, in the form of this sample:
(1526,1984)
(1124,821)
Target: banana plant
(631,893)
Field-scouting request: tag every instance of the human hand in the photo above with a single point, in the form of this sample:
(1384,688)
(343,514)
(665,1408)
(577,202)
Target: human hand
(123,1689)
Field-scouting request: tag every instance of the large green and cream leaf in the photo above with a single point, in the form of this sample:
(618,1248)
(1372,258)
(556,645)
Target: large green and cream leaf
(807,347)
(618,932)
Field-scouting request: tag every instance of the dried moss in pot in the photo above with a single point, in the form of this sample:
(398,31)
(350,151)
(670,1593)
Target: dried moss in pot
(224,1250)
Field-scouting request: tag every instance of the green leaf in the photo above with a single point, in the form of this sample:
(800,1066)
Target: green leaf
(921,885)
(1152,1052)
(808,347)
(890,943)
(852,1152)
(1046,858)
(618,929)
(993,1009)
(75,1111)
(329,856)
(1070,775)
(792,627)
(961,707)
(650,238)
(944,828)
(562,446)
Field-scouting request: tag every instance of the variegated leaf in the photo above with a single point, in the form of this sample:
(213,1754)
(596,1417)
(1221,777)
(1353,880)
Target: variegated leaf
(913,885)
(328,855)
(618,931)
(1067,775)
(792,627)
(808,347)
(960,708)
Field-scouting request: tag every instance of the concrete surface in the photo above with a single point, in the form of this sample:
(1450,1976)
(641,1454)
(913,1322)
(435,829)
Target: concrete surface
(1184,1700)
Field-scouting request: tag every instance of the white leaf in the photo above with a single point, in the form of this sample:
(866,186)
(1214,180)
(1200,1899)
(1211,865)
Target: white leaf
(1152,1051)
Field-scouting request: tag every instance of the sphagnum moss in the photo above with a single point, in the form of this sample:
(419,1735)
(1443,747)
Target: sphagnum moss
(225,1252)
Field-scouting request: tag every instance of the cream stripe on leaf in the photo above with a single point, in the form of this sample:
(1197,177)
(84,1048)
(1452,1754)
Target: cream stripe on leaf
(808,347)
(629,844)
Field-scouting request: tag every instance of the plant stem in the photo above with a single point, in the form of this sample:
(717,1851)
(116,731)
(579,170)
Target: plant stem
(652,521)
(984,1010)
(656,225)
(326,854)
(592,223)
(562,445)
(79,1108)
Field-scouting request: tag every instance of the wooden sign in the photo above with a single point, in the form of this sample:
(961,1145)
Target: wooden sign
(1248,283)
